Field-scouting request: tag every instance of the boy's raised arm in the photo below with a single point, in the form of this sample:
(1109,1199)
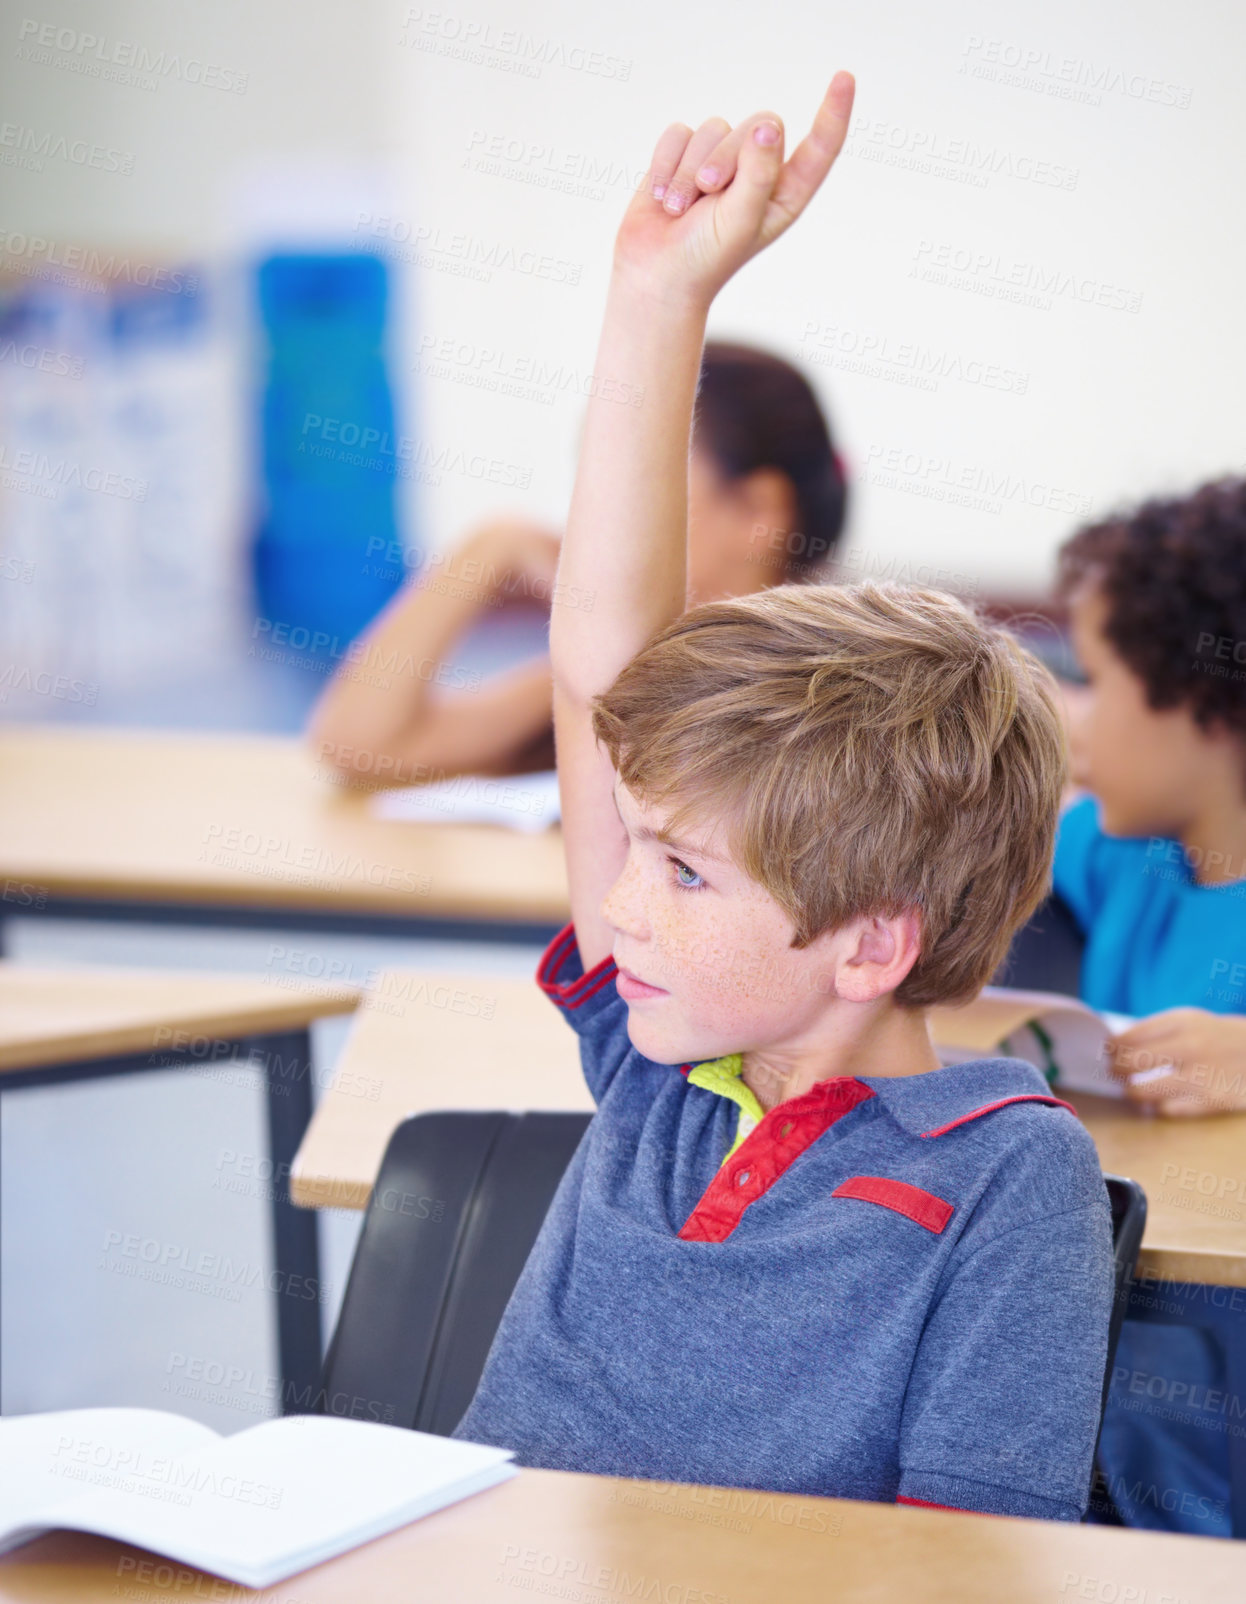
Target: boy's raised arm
(625,546)
(625,541)
(685,232)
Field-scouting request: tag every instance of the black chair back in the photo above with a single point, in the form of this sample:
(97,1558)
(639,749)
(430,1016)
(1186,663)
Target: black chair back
(455,1210)
(1128,1202)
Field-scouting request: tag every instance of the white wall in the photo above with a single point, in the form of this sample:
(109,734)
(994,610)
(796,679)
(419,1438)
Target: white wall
(1116,402)
(1078,404)
(214,89)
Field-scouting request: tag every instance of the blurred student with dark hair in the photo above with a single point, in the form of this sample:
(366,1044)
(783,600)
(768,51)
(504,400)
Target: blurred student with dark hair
(766,506)
(1152,863)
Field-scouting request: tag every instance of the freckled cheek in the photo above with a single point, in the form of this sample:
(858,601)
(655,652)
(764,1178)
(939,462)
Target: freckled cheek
(674,936)
(693,962)
(721,1013)
(729,986)
(722,964)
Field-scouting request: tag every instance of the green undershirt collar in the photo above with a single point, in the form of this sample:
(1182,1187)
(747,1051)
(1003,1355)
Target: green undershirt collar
(722,1075)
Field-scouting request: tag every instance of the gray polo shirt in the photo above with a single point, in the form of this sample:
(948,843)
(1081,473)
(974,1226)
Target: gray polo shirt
(892,1288)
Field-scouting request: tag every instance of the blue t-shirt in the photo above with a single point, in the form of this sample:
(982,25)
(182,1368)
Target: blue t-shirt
(865,1300)
(1155,937)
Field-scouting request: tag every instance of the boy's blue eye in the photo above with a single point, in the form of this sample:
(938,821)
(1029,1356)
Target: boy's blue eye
(695,884)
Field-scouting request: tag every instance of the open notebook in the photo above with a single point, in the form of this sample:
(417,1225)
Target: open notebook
(256,1507)
(1058,1035)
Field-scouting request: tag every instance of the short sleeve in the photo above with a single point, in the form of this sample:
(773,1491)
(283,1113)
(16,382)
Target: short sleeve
(591,1005)
(1077,838)
(1002,1408)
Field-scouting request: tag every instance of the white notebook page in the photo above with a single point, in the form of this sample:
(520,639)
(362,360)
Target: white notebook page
(47,1460)
(283,1495)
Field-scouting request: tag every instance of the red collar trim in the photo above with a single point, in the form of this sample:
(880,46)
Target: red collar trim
(987,1108)
(777,1140)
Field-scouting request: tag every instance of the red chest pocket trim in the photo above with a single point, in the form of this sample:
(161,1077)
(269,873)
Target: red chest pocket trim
(923,1207)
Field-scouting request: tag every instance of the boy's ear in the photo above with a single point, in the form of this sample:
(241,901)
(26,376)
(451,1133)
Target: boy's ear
(878,954)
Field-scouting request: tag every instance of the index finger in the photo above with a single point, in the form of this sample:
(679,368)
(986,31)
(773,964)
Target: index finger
(814,156)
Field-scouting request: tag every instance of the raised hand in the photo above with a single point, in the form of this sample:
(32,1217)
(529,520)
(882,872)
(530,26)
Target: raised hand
(715,198)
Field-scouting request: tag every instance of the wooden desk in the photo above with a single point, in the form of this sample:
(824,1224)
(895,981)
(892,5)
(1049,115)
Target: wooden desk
(71,1016)
(84,1024)
(427,1041)
(240,829)
(596,1540)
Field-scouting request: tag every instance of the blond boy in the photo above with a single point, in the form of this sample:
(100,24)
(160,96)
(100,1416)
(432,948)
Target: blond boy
(792,1251)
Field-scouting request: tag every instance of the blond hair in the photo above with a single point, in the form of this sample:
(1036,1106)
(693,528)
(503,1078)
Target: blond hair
(870,749)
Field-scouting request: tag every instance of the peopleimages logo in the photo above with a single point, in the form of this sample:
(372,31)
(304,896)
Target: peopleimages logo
(993,274)
(877,355)
(93,56)
(60,473)
(32,249)
(958,159)
(1066,77)
(428,245)
(38,359)
(984,489)
(32,148)
(377,449)
(527,375)
(61,687)
(509,49)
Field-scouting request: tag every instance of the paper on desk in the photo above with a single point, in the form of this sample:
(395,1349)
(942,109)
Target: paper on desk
(527,802)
